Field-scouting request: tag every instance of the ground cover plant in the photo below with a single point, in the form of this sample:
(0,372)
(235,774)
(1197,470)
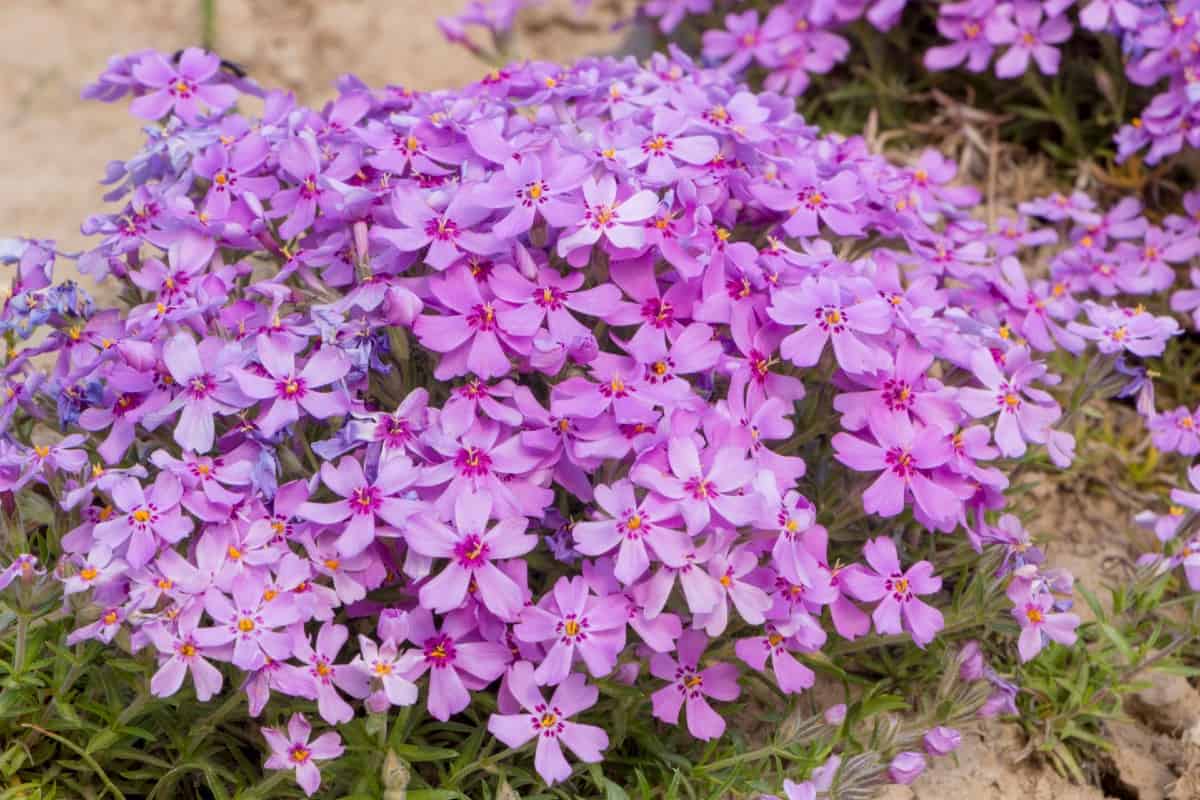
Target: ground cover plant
(604,430)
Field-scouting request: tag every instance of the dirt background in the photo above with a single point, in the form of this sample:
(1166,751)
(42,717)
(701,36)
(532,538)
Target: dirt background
(53,148)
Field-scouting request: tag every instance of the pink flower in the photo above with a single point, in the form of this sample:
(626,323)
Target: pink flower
(294,751)
(471,550)
(185,89)
(576,622)
(897,592)
(818,307)
(691,686)
(290,390)
(550,722)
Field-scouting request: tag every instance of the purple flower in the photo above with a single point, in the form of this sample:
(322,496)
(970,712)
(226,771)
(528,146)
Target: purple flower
(605,217)
(471,550)
(206,388)
(448,233)
(1028,36)
(387,665)
(691,686)
(664,147)
(963,24)
(829,200)
(906,456)
(185,89)
(326,677)
(363,501)
(897,592)
(294,751)
(740,43)
(251,622)
(1116,329)
(1041,623)
(290,390)
(23,566)
(817,306)
(702,488)
(145,519)
(478,332)
(528,187)
(550,722)
(941,741)
(906,767)
(454,660)
(181,653)
(635,529)
(790,675)
(576,622)
(1025,414)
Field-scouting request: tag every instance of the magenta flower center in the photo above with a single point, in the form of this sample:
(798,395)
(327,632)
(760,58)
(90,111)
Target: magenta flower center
(572,628)
(365,500)
(201,386)
(547,721)
(689,682)
(549,297)
(142,518)
(473,462)
(899,587)
(292,388)
(832,318)
(439,651)
(533,192)
(299,754)
(658,146)
(471,552)
(182,89)
(897,394)
(633,525)
(441,229)
(699,488)
(658,312)
(901,462)
(482,317)
(393,431)
(1008,399)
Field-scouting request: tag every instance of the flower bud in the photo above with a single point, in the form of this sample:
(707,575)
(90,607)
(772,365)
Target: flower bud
(393,624)
(906,767)
(941,741)
(835,715)
(401,306)
(970,662)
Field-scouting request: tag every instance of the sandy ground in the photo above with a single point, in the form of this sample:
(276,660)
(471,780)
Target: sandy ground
(53,146)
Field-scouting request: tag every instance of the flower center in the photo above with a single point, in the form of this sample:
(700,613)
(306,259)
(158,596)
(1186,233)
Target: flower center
(245,625)
(300,754)
(88,573)
(548,720)
(1034,615)
(141,515)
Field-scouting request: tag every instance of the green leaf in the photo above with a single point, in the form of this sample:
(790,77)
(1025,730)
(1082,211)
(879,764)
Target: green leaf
(1114,636)
(416,753)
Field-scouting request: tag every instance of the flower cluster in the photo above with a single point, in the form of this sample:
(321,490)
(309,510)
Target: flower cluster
(378,361)
(792,40)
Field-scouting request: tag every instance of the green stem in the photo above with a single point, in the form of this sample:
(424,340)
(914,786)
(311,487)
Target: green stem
(208,24)
(87,758)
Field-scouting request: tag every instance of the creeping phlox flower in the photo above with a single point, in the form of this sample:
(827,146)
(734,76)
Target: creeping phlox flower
(790,41)
(626,285)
